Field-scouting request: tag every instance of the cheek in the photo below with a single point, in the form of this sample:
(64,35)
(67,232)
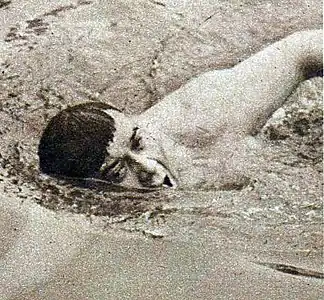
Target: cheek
(150,179)
(144,177)
(144,169)
(157,178)
(140,163)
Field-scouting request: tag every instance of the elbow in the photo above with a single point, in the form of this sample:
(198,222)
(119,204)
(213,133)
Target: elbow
(311,61)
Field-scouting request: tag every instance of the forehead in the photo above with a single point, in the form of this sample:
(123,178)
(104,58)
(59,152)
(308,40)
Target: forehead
(122,136)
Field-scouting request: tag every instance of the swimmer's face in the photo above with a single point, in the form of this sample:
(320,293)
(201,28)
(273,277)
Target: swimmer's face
(134,157)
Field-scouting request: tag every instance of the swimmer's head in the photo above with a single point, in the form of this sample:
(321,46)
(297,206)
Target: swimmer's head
(95,140)
(74,143)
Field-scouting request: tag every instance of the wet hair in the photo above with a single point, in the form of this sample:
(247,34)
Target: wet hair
(74,142)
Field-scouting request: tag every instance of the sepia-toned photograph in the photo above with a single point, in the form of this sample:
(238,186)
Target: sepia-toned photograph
(161,150)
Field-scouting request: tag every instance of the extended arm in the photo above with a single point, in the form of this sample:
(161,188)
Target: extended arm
(242,98)
(264,81)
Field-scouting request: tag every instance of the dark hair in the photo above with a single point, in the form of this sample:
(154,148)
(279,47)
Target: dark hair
(75,140)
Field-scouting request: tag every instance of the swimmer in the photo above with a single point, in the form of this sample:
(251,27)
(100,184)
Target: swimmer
(214,114)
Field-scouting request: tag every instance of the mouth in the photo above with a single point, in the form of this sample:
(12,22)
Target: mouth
(161,178)
(167,182)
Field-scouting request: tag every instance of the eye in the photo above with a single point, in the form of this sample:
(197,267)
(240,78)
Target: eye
(114,172)
(136,141)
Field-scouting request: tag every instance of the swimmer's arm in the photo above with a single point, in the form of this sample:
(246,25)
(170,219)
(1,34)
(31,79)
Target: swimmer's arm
(241,98)
(264,81)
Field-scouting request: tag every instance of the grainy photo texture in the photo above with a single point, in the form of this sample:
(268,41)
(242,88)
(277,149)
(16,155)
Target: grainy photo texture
(165,149)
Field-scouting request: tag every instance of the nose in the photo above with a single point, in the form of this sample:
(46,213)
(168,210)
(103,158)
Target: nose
(149,172)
